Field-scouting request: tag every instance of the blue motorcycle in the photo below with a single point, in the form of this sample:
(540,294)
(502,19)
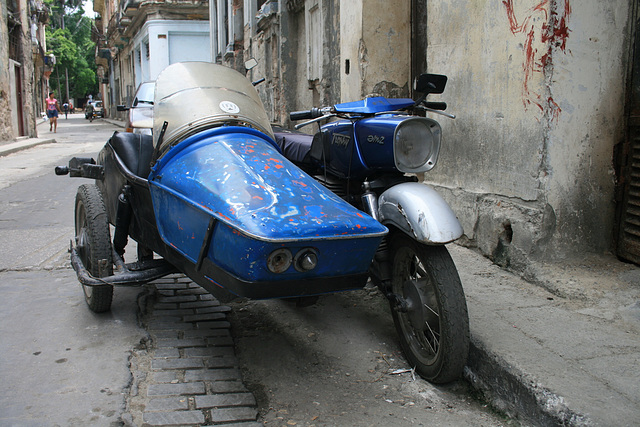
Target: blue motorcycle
(368,154)
(248,212)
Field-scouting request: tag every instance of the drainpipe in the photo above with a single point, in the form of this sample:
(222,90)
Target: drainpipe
(112,83)
(213,29)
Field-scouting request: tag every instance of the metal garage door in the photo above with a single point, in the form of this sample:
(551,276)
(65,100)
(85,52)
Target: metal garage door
(629,233)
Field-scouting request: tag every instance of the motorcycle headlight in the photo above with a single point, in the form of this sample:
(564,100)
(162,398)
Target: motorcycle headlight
(416,144)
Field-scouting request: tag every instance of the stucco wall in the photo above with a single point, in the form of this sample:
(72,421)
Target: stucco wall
(6,129)
(279,44)
(376,40)
(9,123)
(538,90)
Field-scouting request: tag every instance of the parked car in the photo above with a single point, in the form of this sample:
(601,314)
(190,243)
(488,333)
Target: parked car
(140,117)
(93,109)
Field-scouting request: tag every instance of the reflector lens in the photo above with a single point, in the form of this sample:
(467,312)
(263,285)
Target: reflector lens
(306,260)
(279,261)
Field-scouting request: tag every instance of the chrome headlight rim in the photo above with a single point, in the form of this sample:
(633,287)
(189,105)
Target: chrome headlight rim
(429,141)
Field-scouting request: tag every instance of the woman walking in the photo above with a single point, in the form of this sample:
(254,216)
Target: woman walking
(52,112)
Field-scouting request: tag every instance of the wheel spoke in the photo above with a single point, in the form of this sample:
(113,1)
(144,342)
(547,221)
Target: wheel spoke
(436,339)
(420,270)
(432,310)
(423,334)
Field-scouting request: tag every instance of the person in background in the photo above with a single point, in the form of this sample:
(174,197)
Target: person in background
(65,107)
(52,112)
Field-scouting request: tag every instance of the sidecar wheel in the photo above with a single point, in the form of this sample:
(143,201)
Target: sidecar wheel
(430,311)
(93,243)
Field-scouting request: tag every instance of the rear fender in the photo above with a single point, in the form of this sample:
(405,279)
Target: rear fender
(419,211)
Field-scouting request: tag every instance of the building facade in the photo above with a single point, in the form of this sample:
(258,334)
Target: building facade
(23,66)
(139,38)
(539,163)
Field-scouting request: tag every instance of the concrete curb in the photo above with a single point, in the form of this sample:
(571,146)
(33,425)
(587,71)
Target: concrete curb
(24,144)
(562,358)
(515,393)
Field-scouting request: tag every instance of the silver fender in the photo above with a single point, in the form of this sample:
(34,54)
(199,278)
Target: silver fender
(419,211)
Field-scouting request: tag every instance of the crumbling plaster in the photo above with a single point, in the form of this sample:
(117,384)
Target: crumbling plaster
(538,90)
(376,40)
(6,128)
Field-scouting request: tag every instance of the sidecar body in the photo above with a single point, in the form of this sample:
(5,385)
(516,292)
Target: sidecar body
(212,194)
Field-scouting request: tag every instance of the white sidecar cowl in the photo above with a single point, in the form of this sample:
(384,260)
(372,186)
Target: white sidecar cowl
(194,96)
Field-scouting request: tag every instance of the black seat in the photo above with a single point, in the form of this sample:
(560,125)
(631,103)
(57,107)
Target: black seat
(294,145)
(135,151)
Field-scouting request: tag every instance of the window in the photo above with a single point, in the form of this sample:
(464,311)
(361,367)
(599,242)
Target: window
(223,26)
(315,39)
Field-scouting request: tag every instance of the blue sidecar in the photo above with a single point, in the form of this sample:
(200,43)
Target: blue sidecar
(213,195)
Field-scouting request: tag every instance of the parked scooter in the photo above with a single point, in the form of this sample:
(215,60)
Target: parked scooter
(364,157)
(212,194)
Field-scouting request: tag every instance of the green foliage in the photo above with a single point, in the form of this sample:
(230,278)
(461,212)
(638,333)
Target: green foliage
(61,10)
(69,39)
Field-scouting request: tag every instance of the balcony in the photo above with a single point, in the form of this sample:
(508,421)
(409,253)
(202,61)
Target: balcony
(130,7)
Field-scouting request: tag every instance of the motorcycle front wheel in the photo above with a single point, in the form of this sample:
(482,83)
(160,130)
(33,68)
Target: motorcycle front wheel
(430,310)
(93,243)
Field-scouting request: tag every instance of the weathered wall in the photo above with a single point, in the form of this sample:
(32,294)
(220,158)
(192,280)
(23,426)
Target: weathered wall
(386,48)
(6,129)
(538,90)
(9,127)
(279,44)
(376,40)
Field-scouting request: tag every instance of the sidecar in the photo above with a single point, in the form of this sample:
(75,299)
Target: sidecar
(211,193)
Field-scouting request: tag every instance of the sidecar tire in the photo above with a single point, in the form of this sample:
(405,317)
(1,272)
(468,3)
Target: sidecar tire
(93,242)
(433,326)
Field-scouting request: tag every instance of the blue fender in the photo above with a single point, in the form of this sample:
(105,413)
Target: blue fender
(419,211)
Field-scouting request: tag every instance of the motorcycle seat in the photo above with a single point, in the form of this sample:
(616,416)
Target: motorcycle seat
(135,151)
(294,145)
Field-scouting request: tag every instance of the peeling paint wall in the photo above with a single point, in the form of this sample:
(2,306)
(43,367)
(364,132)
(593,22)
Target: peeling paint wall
(6,126)
(279,43)
(9,121)
(538,88)
(376,42)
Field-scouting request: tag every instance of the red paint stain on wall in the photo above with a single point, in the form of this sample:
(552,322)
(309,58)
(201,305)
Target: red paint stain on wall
(547,22)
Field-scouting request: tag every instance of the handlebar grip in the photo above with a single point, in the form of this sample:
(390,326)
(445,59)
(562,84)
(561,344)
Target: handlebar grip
(436,105)
(305,114)
(61,170)
(300,115)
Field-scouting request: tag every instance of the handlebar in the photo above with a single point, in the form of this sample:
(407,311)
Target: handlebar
(314,113)
(436,105)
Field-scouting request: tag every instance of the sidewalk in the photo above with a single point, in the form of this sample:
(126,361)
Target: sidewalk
(562,351)
(566,357)
(44,137)
(23,142)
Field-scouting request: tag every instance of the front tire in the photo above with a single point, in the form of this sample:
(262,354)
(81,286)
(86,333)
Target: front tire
(429,311)
(93,243)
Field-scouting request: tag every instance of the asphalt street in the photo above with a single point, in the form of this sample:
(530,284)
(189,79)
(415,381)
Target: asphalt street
(164,354)
(562,351)
(61,364)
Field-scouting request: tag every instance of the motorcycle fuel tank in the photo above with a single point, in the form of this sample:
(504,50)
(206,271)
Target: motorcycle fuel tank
(358,152)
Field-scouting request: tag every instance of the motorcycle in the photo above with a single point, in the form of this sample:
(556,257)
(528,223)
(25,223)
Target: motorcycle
(214,194)
(369,156)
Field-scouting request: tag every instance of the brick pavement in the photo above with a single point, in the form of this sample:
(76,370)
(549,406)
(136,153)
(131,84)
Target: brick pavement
(187,373)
